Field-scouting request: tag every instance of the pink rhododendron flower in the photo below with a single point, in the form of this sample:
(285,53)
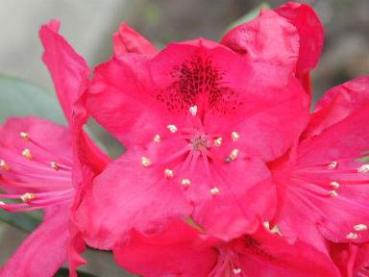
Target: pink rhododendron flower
(37,163)
(181,250)
(323,181)
(199,121)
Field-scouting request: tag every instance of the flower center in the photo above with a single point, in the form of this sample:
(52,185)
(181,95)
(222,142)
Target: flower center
(200,142)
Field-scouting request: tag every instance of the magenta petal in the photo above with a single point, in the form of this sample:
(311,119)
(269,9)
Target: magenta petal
(68,70)
(127,40)
(44,251)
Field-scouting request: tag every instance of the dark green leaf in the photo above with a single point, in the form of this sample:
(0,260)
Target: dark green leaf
(64,272)
(23,221)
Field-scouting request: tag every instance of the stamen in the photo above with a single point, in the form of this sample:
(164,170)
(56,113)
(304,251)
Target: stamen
(4,166)
(193,110)
(27,154)
(218,141)
(24,135)
(333,193)
(54,165)
(363,169)
(27,197)
(214,191)
(145,161)
(185,182)
(276,230)
(234,155)
(172,128)
(157,138)
(360,227)
(169,173)
(352,236)
(333,165)
(237,270)
(334,185)
(235,136)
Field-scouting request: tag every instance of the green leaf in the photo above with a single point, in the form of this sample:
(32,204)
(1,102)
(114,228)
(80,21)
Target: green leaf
(23,221)
(21,98)
(64,272)
(249,16)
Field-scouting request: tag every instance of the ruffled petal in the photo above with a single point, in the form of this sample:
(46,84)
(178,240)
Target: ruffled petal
(127,40)
(311,34)
(268,38)
(44,251)
(68,70)
(175,251)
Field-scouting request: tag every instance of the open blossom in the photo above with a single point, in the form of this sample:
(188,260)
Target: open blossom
(324,180)
(37,163)
(182,250)
(199,120)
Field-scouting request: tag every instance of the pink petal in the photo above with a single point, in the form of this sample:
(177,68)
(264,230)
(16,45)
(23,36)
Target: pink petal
(68,70)
(176,250)
(44,251)
(127,40)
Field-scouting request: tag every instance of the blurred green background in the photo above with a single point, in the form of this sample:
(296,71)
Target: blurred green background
(89,24)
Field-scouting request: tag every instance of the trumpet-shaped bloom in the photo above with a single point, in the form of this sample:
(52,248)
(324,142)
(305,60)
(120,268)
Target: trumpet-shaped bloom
(199,121)
(324,180)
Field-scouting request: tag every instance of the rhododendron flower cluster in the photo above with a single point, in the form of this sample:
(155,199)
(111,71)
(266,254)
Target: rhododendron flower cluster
(226,172)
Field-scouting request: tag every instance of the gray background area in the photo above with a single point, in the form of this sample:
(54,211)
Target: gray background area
(88,25)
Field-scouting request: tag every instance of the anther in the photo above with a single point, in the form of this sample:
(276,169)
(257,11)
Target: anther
(214,191)
(363,169)
(4,165)
(27,154)
(185,182)
(169,173)
(352,236)
(172,128)
(237,270)
(218,141)
(27,197)
(157,138)
(334,185)
(235,136)
(333,193)
(145,161)
(333,165)
(193,110)
(54,165)
(360,227)
(24,135)
(233,155)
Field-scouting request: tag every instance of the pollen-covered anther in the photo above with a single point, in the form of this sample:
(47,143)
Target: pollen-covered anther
(24,135)
(27,197)
(333,165)
(360,227)
(214,191)
(169,173)
(27,154)
(233,155)
(237,270)
(352,236)
(185,182)
(218,142)
(363,169)
(157,138)
(334,184)
(172,128)
(4,165)
(235,136)
(333,193)
(54,165)
(193,110)
(145,161)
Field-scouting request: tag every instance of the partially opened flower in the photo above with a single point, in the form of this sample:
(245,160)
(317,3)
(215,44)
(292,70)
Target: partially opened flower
(37,164)
(182,250)
(198,120)
(323,182)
